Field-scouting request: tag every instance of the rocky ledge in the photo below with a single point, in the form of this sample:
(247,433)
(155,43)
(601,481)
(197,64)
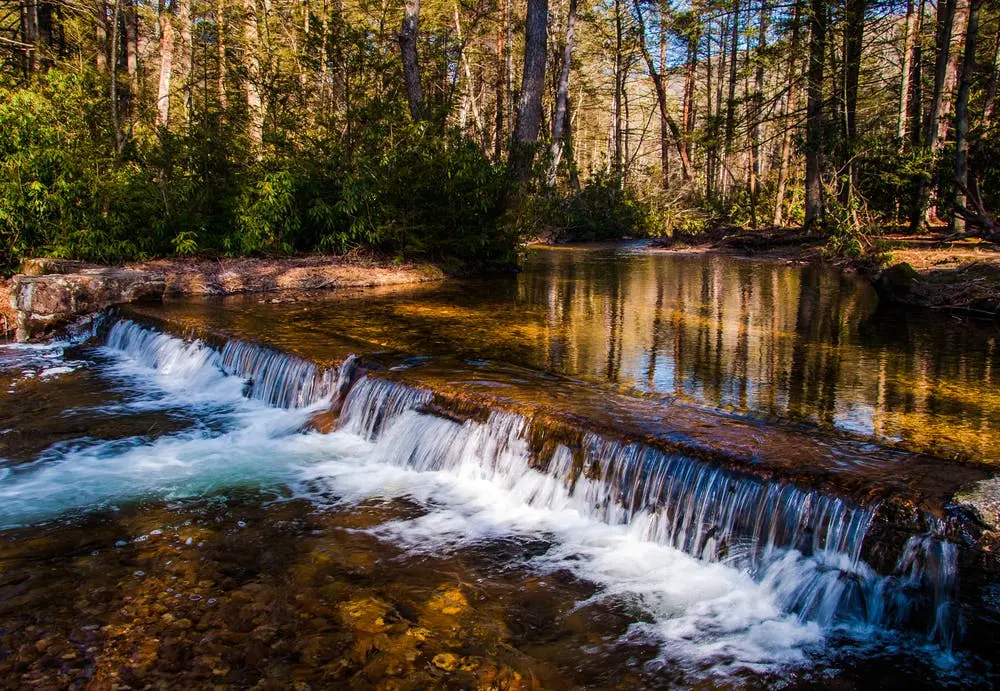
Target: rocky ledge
(49,293)
(46,302)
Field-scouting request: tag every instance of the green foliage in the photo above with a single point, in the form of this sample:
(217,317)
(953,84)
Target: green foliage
(65,191)
(886,177)
(855,233)
(603,209)
(61,193)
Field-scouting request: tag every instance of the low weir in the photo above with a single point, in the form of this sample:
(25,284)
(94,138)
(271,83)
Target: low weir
(831,558)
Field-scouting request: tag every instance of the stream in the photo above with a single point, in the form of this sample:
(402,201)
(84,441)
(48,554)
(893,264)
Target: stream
(588,475)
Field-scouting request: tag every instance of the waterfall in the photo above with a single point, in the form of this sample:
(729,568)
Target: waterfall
(372,405)
(276,378)
(806,546)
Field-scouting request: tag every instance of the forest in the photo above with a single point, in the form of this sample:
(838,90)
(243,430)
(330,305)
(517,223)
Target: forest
(454,130)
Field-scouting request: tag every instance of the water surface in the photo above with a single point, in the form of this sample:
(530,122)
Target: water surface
(764,338)
(170,515)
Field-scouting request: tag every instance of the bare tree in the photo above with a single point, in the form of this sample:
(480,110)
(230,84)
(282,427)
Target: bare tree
(667,121)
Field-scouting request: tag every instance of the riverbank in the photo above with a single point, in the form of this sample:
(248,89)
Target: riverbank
(916,270)
(48,293)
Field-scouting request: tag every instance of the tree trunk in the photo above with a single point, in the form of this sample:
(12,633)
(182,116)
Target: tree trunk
(814,115)
(131,41)
(616,121)
(29,35)
(113,61)
(951,77)
(499,86)
(529,106)
(854,11)
(101,36)
(908,75)
(166,66)
(562,98)
(791,106)
(183,56)
(411,64)
(469,99)
(220,54)
(661,97)
(942,43)
(709,113)
(255,102)
(691,73)
(733,64)
(664,131)
(854,35)
(758,112)
(962,113)
(990,97)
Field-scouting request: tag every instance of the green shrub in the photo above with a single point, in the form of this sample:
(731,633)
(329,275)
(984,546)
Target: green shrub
(66,191)
(602,209)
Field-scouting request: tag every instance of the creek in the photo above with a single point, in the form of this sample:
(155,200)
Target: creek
(619,469)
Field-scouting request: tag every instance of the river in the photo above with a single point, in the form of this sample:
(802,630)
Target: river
(503,497)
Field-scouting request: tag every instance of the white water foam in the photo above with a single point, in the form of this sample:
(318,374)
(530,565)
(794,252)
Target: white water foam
(711,618)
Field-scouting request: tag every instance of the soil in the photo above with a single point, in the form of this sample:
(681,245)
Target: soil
(961,275)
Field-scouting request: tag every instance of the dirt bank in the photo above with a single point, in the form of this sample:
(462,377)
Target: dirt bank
(923,270)
(231,276)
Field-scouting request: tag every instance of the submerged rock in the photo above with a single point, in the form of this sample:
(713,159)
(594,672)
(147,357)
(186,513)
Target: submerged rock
(982,500)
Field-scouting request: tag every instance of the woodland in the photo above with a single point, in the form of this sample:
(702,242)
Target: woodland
(454,130)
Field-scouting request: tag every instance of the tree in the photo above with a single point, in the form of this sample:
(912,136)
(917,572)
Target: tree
(962,114)
(411,65)
(529,106)
(667,121)
(790,107)
(559,119)
(814,115)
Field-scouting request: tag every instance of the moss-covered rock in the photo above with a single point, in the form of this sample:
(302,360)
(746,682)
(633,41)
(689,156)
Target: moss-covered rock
(900,283)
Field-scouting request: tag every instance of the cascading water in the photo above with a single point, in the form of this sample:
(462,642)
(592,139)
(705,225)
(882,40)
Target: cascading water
(728,568)
(276,378)
(805,546)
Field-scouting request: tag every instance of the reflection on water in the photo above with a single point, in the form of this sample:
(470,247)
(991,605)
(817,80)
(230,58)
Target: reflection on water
(758,337)
(170,519)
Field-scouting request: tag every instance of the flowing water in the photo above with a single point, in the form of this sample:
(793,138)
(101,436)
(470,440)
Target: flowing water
(180,512)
